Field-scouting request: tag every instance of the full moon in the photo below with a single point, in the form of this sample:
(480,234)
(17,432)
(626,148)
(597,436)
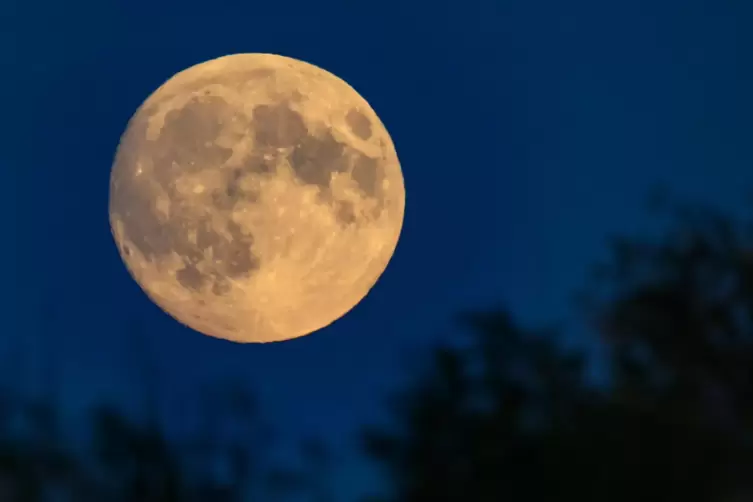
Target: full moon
(256,197)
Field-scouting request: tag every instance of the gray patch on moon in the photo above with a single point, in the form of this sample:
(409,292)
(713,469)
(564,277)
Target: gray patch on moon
(190,278)
(232,257)
(236,253)
(358,123)
(277,126)
(345,212)
(365,173)
(315,158)
(132,198)
(257,164)
(226,198)
(233,191)
(221,286)
(186,145)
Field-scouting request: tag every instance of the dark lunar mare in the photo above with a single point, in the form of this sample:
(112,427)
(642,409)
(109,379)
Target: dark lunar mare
(359,124)
(186,144)
(316,157)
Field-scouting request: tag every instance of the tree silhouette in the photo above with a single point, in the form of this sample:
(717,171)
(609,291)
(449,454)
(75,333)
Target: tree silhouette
(678,318)
(513,417)
(505,414)
(224,460)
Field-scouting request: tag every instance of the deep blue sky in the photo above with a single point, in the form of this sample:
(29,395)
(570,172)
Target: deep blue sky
(528,130)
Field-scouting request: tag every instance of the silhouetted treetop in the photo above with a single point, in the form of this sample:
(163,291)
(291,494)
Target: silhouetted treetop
(677,315)
(513,417)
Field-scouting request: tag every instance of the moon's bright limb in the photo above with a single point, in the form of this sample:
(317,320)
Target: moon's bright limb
(256,198)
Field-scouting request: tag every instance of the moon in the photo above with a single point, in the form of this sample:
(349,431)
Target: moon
(256,197)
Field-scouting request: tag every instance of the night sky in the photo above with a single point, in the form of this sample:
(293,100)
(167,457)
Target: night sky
(528,132)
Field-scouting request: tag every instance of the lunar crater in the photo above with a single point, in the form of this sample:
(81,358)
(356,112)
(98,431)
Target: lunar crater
(359,124)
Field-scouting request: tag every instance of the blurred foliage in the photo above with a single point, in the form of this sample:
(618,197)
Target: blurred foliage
(505,414)
(514,416)
(130,461)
